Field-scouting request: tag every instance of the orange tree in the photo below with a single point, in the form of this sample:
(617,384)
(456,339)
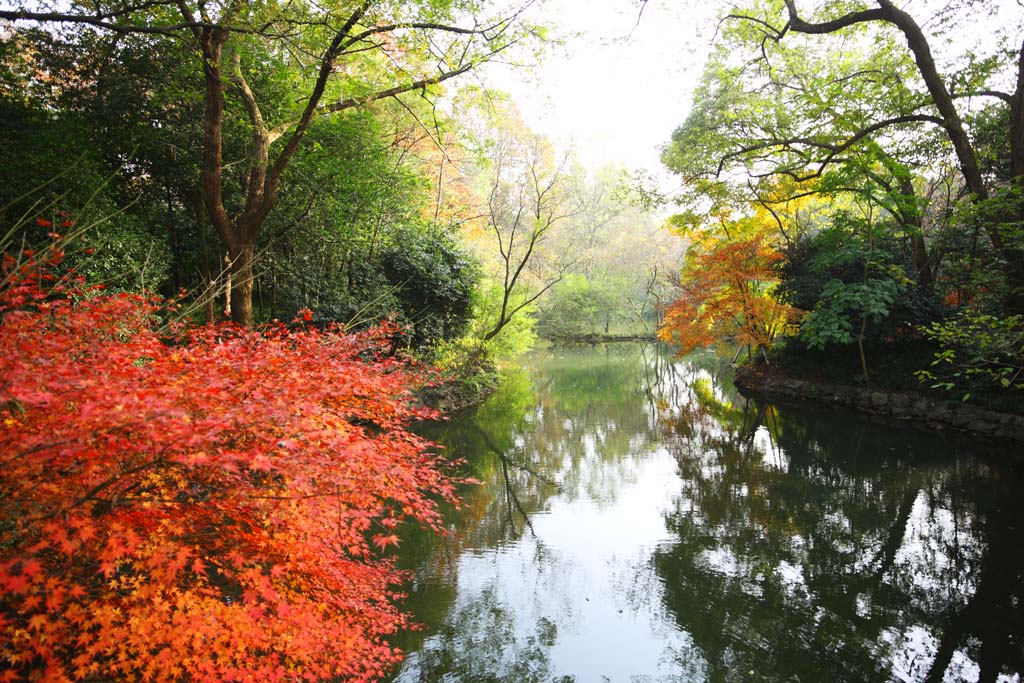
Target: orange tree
(727,286)
(197,505)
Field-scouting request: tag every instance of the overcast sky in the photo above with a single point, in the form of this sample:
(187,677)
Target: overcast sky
(620,83)
(623,79)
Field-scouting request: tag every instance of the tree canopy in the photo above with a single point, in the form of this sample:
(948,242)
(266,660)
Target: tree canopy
(247,62)
(898,130)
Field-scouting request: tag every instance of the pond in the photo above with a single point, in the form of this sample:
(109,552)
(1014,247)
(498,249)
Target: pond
(638,520)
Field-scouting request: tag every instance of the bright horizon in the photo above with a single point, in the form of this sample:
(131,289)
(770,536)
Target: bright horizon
(624,76)
(619,85)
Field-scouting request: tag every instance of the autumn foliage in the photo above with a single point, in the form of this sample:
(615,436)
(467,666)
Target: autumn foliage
(727,284)
(197,505)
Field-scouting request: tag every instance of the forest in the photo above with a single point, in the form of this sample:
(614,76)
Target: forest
(853,196)
(249,247)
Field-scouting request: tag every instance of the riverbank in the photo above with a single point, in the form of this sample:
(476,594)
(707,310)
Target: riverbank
(596,338)
(614,506)
(901,406)
(462,389)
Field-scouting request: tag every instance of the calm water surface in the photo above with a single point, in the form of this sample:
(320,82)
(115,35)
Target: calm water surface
(638,520)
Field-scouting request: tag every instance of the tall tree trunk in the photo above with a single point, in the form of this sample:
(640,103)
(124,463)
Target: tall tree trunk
(238,235)
(952,123)
(1013,267)
(212,43)
(910,215)
(922,263)
(242,258)
(239,232)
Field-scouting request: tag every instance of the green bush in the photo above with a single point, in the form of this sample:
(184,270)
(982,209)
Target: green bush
(978,353)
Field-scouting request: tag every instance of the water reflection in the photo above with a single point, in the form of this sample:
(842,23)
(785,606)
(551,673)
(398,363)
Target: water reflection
(637,521)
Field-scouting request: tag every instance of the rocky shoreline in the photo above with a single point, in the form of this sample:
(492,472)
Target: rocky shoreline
(905,407)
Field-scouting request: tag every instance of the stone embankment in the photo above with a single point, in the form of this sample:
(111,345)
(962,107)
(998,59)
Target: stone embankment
(902,406)
(600,338)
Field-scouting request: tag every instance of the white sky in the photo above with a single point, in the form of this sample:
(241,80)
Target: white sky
(616,88)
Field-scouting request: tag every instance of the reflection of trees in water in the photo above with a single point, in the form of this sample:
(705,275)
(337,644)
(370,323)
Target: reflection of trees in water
(484,642)
(591,421)
(575,426)
(805,548)
(809,550)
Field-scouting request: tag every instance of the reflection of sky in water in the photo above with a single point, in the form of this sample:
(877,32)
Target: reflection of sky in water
(915,651)
(577,572)
(676,533)
(771,454)
(929,533)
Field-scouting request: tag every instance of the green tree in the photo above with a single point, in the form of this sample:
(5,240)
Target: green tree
(338,57)
(797,120)
(854,280)
(621,251)
(54,181)
(528,190)
(897,92)
(355,204)
(577,306)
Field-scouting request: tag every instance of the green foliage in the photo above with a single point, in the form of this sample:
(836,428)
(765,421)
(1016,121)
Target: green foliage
(974,274)
(978,352)
(434,280)
(577,305)
(57,176)
(515,338)
(422,280)
(350,243)
(989,125)
(842,307)
(779,113)
(467,363)
(851,272)
(355,194)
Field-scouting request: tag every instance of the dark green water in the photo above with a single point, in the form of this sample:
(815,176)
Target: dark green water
(637,520)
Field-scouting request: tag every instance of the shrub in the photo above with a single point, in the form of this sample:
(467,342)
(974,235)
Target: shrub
(207,504)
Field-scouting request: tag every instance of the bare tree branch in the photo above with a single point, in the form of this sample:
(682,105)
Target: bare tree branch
(834,148)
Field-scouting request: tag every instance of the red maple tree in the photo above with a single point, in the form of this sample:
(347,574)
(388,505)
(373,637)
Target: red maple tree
(727,295)
(197,504)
